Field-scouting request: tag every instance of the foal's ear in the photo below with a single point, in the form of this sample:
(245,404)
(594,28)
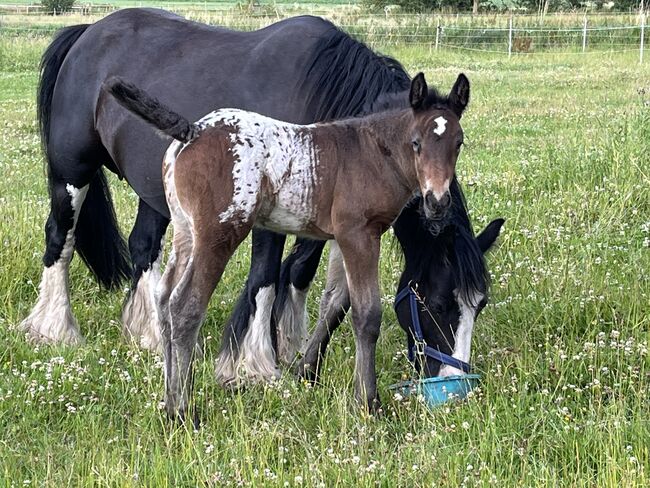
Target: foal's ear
(459,96)
(419,91)
(489,235)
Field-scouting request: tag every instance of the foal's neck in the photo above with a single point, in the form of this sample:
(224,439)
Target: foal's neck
(388,131)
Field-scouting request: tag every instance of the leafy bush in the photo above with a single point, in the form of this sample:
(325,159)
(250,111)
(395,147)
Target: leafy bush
(57,6)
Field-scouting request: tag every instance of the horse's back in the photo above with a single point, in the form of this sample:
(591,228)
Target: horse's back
(192,67)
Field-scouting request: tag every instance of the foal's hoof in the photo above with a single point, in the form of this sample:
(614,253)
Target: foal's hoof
(374,407)
(307,372)
(182,418)
(371,406)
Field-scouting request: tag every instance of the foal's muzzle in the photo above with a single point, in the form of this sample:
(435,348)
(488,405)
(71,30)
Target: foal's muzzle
(435,208)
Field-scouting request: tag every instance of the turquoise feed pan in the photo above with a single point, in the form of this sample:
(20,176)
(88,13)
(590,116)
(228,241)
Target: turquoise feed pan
(440,389)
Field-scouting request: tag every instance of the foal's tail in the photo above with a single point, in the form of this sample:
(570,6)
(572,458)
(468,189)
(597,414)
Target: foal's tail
(151,110)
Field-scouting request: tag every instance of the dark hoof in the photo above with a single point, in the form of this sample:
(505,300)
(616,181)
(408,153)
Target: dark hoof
(234,387)
(374,407)
(307,371)
(182,418)
(371,406)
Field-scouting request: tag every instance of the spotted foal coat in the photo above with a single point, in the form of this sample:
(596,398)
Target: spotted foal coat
(233,170)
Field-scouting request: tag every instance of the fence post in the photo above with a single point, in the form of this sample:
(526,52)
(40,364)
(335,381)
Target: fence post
(642,38)
(438,33)
(510,38)
(584,35)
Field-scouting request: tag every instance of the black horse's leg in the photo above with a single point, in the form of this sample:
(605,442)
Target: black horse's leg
(139,317)
(248,347)
(334,304)
(51,319)
(290,307)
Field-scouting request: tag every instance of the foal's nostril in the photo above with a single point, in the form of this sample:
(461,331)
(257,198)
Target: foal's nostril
(445,200)
(437,204)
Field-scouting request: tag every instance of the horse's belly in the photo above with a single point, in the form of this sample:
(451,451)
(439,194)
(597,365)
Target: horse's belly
(288,218)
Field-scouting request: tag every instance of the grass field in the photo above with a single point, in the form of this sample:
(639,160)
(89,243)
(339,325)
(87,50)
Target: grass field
(558,145)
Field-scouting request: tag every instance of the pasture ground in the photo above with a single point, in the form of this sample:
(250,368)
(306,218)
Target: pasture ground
(558,145)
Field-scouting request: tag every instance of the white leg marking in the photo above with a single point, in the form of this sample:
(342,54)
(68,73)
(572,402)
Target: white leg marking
(463,342)
(337,276)
(256,361)
(292,325)
(256,355)
(51,319)
(140,322)
(225,368)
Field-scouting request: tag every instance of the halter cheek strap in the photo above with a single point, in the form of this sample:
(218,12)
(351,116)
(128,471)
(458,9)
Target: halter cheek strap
(420,345)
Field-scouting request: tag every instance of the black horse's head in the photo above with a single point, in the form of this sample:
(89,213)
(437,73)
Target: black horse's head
(446,274)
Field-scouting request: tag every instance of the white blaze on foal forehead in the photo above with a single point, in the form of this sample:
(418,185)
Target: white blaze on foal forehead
(441,125)
(282,153)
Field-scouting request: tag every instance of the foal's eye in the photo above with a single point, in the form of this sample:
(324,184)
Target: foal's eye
(459,145)
(416,146)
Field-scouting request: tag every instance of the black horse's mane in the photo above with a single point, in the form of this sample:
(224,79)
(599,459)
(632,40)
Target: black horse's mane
(451,242)
(345,76)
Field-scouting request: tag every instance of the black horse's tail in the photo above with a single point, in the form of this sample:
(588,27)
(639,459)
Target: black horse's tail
(151,110)
(97,236)
(50,66)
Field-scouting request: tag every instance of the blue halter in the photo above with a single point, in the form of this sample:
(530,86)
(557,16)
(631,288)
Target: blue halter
(420,345)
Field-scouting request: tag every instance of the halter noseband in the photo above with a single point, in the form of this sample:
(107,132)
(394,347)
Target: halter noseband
(420,345)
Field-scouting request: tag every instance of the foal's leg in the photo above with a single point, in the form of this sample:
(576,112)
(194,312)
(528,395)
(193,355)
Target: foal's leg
(51,319)
(360,249)
(187,305)
(176,264)
(139,317)
(290,307)
(251,326)
(334,304)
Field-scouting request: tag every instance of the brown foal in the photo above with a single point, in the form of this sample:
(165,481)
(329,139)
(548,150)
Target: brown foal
(345,180)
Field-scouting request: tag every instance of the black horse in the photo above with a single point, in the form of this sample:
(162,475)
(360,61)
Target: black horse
(299,70)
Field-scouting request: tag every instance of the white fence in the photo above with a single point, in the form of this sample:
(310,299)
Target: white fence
(510,36)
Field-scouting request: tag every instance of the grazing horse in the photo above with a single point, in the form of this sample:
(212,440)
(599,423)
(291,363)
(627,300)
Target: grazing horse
(345,180)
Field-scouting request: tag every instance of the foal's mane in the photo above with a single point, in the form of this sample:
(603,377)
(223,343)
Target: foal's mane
(345,76)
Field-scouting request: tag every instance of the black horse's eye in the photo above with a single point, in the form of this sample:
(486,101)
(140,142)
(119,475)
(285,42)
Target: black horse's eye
(416,145)
(459,145)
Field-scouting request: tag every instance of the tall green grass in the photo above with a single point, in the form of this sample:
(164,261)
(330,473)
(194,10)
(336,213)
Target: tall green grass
(557,145)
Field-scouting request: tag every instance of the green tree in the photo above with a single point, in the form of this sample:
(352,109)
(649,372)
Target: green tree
(57,6)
